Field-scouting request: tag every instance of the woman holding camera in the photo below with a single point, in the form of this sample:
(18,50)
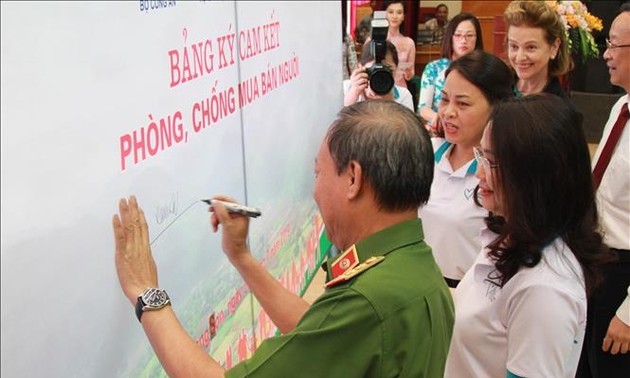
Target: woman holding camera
(463,35)
(358,87)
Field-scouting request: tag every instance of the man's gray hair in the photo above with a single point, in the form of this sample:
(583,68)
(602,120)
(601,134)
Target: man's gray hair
(392,147)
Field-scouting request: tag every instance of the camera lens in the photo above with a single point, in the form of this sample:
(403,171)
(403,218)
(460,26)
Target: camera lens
(381,80)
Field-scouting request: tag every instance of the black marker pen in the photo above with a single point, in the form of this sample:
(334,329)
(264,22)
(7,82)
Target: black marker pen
(252,212)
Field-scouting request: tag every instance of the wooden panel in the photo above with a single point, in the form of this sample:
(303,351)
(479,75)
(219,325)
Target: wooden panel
(425,54)
(487,29)
(486,11)
(484,8)
(498,48)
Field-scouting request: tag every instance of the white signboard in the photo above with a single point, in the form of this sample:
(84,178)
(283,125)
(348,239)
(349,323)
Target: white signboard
(174,102)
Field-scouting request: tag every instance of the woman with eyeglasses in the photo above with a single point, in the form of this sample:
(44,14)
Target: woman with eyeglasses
(462,35)
(537,50)
(520,311)
(451,220)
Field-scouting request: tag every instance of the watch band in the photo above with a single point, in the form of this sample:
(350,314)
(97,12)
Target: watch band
(139,310)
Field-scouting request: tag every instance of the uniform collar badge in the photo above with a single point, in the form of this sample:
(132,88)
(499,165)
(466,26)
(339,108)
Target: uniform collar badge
(346,261)
(347,275)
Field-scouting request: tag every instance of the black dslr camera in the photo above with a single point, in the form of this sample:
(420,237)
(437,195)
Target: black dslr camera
(379,75)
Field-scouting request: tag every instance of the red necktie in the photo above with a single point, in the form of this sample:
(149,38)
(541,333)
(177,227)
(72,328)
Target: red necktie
(611,142)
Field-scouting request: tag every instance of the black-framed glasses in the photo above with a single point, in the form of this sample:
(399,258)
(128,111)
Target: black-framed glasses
(612,46)
(487,164)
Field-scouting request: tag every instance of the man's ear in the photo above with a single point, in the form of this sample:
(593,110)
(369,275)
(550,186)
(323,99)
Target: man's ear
(355,175)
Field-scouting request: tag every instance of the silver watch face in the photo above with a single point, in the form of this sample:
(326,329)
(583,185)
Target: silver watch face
(155,298)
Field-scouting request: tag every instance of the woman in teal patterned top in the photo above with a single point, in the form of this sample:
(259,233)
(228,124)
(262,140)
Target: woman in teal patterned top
(462,35)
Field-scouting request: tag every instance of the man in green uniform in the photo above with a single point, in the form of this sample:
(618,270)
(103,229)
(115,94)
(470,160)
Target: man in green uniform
(386,311)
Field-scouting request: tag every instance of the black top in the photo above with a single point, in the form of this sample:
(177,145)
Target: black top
(553,86)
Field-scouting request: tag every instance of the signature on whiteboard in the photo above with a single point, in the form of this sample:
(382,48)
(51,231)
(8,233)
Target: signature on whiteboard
(167,209)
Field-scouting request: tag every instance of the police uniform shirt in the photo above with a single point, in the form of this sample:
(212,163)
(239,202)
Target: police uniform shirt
(393,319)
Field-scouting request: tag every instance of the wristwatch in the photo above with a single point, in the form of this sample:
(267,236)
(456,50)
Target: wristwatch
(150,300)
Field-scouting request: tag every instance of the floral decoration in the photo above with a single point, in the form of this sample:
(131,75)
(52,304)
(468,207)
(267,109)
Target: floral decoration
(578,27)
